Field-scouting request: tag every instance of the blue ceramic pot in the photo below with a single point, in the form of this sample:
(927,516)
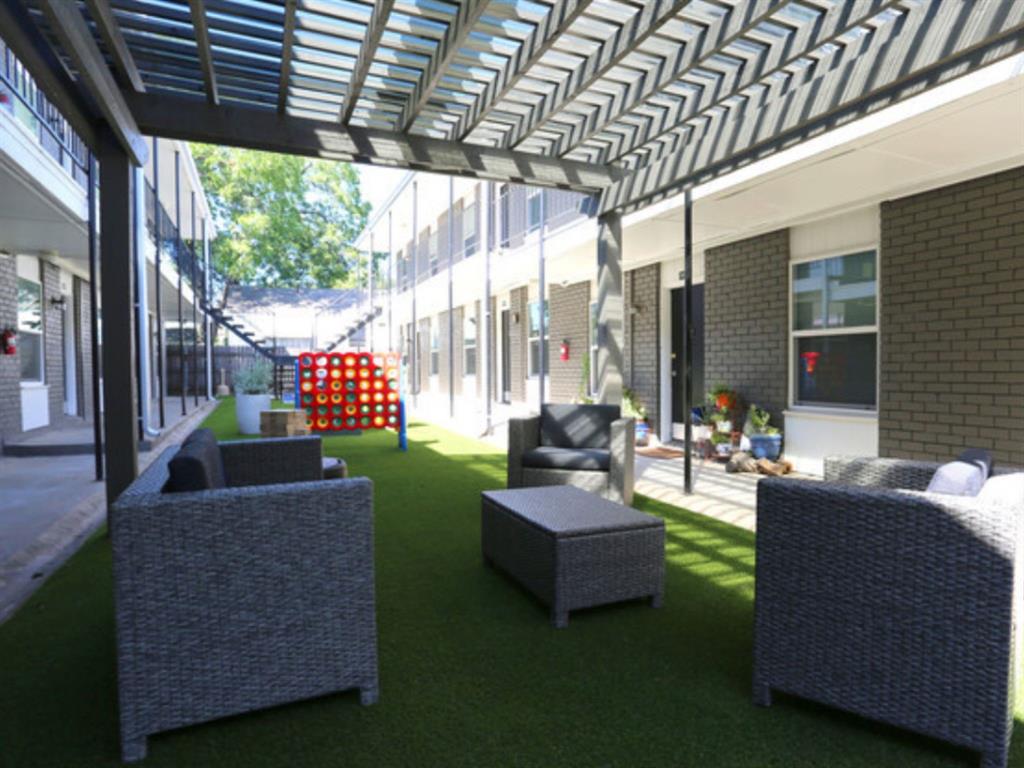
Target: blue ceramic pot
(766,446)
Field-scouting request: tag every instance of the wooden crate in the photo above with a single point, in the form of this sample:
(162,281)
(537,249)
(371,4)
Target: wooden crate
(283,423)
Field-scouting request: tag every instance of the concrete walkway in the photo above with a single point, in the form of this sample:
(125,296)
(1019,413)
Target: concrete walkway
(49,506)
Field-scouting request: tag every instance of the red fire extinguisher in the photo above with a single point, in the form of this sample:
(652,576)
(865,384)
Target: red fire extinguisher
(9,341)
(564,350)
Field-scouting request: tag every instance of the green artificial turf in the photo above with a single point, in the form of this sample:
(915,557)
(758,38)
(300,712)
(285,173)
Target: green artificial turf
(472,673)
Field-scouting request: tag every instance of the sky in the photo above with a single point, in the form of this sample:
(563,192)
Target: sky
(378,183)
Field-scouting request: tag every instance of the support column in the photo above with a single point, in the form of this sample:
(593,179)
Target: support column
(451,299)
(484,333)
(177,246)
(415,335)
(609,308)
(94,326)
(116,291)
(161,357)
(369,288)
(207,324)
(391,283)
(195,300)
(542,343)
(142,348)
(688,342)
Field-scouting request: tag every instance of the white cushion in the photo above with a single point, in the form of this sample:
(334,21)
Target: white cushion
(957,478)
(1004,490)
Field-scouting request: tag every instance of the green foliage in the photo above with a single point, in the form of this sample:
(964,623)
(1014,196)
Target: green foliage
(759,420)
(282,220)
(255,379)
(584,393)
(632,406)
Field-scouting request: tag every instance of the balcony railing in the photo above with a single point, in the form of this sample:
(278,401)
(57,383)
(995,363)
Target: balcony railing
(172,245)
(21,97)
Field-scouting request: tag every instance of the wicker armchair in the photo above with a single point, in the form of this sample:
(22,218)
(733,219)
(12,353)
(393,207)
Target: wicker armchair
(588,446)
(897,607)
(244,597)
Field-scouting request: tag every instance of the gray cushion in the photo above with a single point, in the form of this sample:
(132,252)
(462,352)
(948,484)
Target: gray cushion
(197,466)
(958,478)
(978,456)
(547,457)
(577,426)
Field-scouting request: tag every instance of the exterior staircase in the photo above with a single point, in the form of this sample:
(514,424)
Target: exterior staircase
(360,322)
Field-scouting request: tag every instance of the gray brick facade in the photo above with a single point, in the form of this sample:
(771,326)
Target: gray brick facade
(518,344)
(10,365)
(641,290)
(746,319)
(53,339)
(952,320)
(570,320)
(84,325)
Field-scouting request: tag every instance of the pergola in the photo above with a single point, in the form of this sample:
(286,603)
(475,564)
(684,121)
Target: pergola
(630,101)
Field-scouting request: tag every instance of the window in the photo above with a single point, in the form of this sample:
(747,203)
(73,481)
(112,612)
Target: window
(30,329)
(533,208)
(432,247)
(435,350)
(835,331)
(593,349)
(533,333)
(469,230)
(469,346)
(505,214)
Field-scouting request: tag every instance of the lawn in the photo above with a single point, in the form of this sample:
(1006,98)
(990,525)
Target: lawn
(472,673)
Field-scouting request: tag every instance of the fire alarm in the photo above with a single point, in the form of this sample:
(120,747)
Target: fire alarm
(9,342)
(564,350)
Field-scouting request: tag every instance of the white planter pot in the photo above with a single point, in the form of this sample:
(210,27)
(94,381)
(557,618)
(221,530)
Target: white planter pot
(247,412)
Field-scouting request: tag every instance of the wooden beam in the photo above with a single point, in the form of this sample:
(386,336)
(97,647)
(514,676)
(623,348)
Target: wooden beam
(527,55)
(468,15)
(264,129)
(374,32)
(77,42)
(931,45)
(286,55)
(198,8)
(103,15)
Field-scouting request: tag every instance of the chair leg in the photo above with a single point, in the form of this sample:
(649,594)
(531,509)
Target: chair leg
(368,695)
(994,759)
(656,600)
(560,619)
(133,749)
(762,694)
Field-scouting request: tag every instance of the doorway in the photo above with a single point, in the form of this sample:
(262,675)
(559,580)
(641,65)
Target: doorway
(69,332)
(678,352)
(506,356)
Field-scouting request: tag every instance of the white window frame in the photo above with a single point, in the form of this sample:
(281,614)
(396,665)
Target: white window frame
(435,348)
(470,244)
(469,321)
(847,410)
(533,195)
(41,333)
(531,339)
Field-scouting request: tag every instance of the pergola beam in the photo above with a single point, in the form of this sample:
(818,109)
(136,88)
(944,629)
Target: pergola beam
(103,15)
(527,55)
(198,9)
(287,41)
(77,40)
(374,32)
(937,43)
(638,28)
(834,23)
(468,15)
(194,120)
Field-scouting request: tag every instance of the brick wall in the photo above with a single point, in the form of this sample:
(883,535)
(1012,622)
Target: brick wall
(53,339)
(10,366)
(84,325)
(641,289)
(570,319)
(746,315)
(518,343)
(952,320)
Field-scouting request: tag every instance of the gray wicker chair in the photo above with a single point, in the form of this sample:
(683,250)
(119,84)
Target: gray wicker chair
(245,597)
(897,607)
(588,446)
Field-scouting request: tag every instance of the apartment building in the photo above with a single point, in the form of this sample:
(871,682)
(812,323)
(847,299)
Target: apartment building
(810,296)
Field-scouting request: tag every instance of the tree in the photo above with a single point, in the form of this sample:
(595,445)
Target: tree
(282,220)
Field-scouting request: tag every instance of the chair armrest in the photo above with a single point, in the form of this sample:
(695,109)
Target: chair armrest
(523,435)
(879,473)
(623,449)
(272,460)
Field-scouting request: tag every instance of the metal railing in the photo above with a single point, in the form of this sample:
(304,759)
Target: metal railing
(22,98)
(172,245)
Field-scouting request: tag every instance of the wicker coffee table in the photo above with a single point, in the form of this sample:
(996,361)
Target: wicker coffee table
(573,549)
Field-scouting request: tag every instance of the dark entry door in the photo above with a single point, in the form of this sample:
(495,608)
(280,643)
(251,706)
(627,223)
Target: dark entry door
(506,356)
(678,409)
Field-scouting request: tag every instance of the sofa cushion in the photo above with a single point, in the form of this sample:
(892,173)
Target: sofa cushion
(978,456)
(1003,490)
(197,466)
(548,457)
(957,478)
(577,426)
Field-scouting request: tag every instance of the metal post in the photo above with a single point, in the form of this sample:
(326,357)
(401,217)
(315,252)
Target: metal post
(391,283)
(116,287)
(415,335)
(137,283)
(369,284)
(195,295)
(177,245)
(688,341)
(451,298)
(485,308)
(94,341)
(207,325)
(542,343)
(161,362)
(143,367)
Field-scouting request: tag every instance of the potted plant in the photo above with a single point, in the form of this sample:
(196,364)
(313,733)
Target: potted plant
(252,395)
(721,405)
(765,440)
(632,407)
